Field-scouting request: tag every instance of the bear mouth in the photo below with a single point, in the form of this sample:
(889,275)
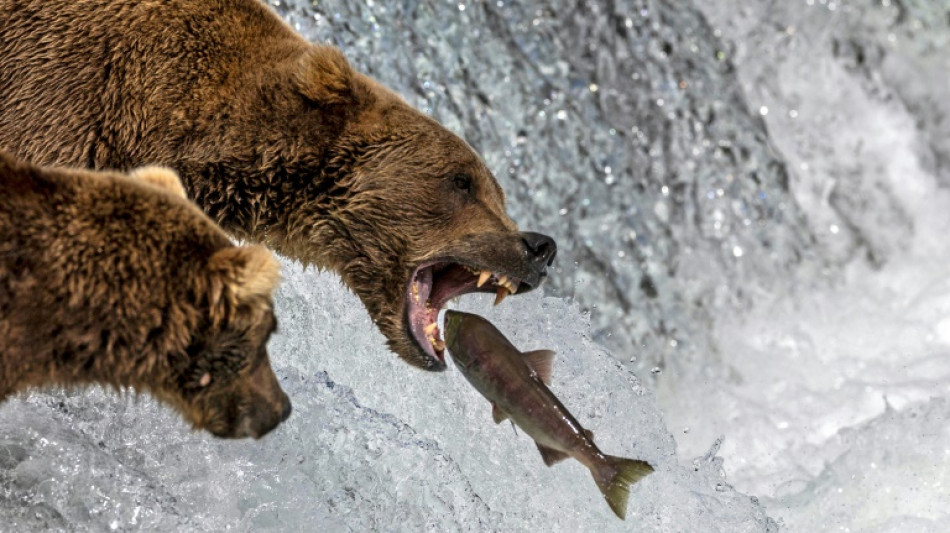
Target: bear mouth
(434,283)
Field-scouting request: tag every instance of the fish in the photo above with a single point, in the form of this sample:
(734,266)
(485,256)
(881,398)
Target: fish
(516,385)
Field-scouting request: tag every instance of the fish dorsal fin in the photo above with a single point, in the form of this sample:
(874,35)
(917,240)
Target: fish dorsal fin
(541,361)
(550,455)
(590,434)
(497,414)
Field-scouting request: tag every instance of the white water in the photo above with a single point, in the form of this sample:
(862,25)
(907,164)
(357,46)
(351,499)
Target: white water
(834,398)
(806,324)
(371,445)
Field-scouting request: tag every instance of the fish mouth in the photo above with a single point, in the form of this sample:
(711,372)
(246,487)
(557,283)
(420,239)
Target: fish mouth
(432,284)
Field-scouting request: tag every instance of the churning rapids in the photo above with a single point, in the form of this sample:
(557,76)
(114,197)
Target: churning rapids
(750,200)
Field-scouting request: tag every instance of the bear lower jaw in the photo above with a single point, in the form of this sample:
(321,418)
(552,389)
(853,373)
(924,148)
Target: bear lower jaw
(432,285)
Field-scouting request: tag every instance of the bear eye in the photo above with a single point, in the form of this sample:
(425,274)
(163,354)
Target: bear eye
(462,182)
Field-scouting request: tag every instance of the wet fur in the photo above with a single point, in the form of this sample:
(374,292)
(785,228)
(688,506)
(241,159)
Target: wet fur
(110,279)
(278,140)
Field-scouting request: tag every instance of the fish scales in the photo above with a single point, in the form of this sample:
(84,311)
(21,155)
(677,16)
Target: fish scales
(517,389)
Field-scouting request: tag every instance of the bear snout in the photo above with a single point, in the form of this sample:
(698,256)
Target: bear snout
(270,405)
(257,405)
(263,418)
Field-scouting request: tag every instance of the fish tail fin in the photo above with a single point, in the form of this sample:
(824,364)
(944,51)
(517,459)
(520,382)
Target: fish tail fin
(614,478)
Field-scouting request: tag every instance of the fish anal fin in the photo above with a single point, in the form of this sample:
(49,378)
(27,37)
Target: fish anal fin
(541,361)
(497,414)
(550,455)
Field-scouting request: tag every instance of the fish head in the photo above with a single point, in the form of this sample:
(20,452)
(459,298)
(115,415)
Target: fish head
(452,330)
(472,340)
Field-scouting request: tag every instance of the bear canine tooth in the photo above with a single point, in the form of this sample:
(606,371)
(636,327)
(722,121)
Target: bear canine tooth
(430,329)
(483,277)
(501,294)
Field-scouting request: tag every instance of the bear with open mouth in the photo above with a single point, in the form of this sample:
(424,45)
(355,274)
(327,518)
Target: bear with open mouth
(279,140)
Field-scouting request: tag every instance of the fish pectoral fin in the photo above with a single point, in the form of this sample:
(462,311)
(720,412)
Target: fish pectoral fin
(497,414)
(541,361)
(550,455)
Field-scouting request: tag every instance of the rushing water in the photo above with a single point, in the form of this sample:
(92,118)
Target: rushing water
(750,204)
(617,127)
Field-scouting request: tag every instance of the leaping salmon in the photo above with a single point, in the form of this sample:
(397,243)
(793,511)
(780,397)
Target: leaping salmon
(516,385)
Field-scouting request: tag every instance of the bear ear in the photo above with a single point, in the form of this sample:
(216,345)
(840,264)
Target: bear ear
(324,76)
(162,177)
(247,271)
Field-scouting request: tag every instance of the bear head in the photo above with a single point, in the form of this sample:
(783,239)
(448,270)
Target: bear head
(402,208)
(225,384)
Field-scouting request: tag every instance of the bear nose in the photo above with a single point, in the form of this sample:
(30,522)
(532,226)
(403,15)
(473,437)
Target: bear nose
(287,409)
(541,247)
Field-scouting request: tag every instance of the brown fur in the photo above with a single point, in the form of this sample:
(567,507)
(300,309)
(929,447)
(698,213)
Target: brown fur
(279,140)
(161,177)
(104,279)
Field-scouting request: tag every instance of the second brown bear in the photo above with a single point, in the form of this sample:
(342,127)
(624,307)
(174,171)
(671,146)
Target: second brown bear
(118,280)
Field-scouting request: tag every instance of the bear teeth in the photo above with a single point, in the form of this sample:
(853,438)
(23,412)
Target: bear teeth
(502,293)
(505,286)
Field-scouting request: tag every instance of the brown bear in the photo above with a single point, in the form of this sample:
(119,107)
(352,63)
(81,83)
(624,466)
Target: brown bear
(277,139)
(118,280)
